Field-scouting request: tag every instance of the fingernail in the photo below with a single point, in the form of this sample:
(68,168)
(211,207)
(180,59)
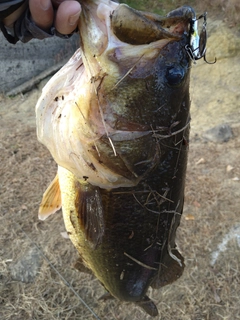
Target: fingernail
(74,19)
(45,4)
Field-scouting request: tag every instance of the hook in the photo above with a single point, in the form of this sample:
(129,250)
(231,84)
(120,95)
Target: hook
(197,48)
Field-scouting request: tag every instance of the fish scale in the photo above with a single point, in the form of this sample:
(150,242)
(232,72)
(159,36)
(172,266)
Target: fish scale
(121,145)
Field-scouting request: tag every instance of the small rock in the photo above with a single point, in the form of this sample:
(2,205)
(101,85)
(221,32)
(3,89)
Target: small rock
(235,179)
(65,235)
(229,168)
(196,204)
(27,267)
(219,134)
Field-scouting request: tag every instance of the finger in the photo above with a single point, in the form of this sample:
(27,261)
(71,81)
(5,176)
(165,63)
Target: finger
(56,3)
(42,13)
(67,16)
(9,20)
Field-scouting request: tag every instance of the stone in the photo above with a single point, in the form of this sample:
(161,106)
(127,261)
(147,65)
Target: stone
(26,268)
(23,61)
(219,134)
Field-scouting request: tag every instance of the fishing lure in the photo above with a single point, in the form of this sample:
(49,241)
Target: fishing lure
(198,43)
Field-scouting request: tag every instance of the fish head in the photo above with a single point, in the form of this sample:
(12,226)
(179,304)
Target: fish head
(104,115)
(136,68)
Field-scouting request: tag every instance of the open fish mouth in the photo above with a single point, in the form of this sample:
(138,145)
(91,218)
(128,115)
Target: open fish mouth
(87,115)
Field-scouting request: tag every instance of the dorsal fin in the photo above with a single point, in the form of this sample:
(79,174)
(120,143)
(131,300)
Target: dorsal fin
(51,200)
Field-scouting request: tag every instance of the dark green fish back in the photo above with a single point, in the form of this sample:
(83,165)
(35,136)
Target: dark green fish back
(137,248)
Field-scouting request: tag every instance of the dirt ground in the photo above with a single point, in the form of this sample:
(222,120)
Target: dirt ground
(37,275)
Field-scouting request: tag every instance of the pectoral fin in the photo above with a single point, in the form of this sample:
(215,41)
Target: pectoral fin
(51,201)
(148,306)
(79,265)
(89,211)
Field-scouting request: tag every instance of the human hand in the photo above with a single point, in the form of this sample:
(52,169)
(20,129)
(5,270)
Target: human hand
(62,14)
(65,18)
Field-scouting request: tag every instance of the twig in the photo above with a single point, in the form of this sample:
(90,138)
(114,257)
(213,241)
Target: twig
(139,262)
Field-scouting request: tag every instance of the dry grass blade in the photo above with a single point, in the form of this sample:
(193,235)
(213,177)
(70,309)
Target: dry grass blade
(59,274)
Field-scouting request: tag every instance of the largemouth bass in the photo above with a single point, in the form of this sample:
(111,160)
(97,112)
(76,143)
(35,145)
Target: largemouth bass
(116,120)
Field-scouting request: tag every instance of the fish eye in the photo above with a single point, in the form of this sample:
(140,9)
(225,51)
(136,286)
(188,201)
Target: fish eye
(175,76)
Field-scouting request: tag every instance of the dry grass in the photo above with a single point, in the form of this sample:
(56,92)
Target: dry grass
(228,9)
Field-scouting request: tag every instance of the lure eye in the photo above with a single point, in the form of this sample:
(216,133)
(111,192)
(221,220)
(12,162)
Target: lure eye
(175,76)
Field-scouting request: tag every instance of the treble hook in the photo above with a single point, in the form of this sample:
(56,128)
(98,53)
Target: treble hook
(204,58)
(203,38)
(197,48)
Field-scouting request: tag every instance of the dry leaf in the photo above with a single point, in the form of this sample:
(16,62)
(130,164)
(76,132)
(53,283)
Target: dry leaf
(64,235)
(229,168)
(202,160)
(196,204)
(189,217)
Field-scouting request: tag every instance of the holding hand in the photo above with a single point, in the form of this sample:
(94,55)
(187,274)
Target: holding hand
(65,19)
(39,19)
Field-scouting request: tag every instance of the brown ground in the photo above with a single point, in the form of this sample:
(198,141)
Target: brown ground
(209,235)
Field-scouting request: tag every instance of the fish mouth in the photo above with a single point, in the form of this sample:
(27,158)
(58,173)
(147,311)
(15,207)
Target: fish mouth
(90,115)
(114,25)
(149,27)
(130,49)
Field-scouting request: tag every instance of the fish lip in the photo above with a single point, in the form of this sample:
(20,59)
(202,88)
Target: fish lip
(166,29)
(148,27)
(182,17)
(186,11)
